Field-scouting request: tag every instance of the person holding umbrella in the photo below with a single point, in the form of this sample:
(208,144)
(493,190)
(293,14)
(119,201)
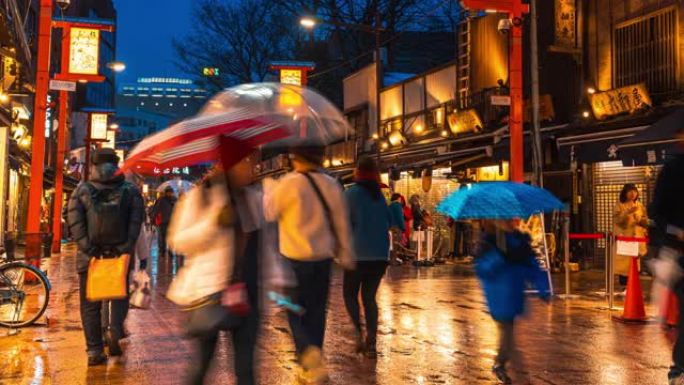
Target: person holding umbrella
(313,225)
(505,260)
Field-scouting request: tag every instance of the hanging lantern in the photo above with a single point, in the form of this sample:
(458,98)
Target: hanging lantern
(427,179)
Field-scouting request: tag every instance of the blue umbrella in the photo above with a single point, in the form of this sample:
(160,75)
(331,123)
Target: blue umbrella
(498,200)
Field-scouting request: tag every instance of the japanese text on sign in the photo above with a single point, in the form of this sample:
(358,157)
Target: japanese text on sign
(98,126)
(619,101)
(84,51)
(565,34)
(291,76)
(465,121)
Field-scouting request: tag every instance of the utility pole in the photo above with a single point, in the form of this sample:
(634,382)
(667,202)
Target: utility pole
(515,10)
(536,129)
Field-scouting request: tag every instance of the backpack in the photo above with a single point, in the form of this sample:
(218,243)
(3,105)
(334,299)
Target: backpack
(107,216)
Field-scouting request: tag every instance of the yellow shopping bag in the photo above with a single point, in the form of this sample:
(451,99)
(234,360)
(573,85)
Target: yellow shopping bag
(107,278)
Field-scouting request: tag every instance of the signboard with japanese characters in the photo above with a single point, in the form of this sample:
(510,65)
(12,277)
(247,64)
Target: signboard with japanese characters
(84,48)
(98,127)
(565,24)
(464,121)
(624,100)
(291,76)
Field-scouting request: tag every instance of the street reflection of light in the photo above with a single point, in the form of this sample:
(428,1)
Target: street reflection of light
(38,371)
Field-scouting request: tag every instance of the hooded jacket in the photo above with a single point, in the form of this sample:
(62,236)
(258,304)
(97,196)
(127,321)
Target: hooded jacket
(80,204)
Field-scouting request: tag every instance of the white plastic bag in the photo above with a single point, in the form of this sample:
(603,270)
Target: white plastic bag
(143,245)
(141,297)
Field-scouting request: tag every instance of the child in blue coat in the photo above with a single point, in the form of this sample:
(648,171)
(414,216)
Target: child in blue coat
(505,263)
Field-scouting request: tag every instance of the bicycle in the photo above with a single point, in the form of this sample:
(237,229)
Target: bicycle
(24,292)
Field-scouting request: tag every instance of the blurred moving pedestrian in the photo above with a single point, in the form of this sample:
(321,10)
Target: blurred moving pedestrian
(313,226)
(630,219)
(217,226)
(161,216)
(105,215)
(416,212)
(371,220)
(398,225)
(505,262)
(408,218)
(667,211)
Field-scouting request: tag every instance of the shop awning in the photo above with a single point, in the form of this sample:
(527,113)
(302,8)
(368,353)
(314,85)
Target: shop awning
(655,144)
(594,147)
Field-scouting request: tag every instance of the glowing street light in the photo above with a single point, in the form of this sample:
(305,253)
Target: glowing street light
(114,126)
(307,22)
(116,66)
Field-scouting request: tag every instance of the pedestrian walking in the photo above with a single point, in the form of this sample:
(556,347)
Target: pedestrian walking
(313,228)
(416,213)
(371,220)
(161,216)
(398,225)
(667,211)
(105,215)
(505,262)
(408,219)
(217,226)
(630,219)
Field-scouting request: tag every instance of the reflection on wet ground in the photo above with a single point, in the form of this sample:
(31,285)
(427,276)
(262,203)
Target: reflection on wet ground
(434,330)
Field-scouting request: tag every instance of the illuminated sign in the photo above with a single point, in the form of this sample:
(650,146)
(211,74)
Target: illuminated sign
(111,140)
(622,100)
(210,71)
(84,51)
(493,173)
(291,76)
(566,20)
(98,127)
(465,121)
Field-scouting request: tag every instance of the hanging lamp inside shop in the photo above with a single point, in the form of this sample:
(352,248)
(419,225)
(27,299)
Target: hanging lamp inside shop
(396,138)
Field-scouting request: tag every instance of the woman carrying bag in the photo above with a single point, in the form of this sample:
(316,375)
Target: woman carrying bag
(216,225)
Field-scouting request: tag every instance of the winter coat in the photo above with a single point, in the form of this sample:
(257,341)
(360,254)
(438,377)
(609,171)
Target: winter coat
(370,223)
(397,211)
(504,274)
(80,204)
(417,215)
(628,224)
(164,208)
(304,230)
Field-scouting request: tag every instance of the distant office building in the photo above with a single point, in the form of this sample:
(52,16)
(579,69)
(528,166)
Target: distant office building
(153,103)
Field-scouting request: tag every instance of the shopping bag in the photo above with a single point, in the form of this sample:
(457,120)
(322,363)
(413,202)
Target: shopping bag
(141,296)
(143,245)
(107,278)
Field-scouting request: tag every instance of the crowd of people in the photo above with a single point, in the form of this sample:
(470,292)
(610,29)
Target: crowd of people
(240,236)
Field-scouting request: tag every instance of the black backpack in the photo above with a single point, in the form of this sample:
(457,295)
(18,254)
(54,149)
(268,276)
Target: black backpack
(108,215)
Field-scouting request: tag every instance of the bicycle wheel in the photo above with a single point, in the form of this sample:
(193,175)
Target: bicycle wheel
(24,294)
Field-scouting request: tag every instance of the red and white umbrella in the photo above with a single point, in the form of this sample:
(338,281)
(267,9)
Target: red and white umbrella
(236,121)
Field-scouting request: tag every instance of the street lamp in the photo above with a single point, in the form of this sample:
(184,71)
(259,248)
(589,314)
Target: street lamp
(307,22)
(116,66)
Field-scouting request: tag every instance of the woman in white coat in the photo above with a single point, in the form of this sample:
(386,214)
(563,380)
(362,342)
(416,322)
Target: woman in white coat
(216,226)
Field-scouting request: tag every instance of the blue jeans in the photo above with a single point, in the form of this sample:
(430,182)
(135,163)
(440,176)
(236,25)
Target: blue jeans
(313,284)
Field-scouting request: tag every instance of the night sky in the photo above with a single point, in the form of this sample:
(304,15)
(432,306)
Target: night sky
(145,31)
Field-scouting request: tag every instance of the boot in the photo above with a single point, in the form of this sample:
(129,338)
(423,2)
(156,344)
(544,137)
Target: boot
(96,359)
(499,370)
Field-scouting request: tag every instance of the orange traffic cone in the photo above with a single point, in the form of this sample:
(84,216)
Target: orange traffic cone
(671,316)
(634,311)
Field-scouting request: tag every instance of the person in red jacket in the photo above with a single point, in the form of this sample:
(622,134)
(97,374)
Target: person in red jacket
(408,217)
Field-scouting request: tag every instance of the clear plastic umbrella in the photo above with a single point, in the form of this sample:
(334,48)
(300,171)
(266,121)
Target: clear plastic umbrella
(267,115)
(178,185)
(309,118)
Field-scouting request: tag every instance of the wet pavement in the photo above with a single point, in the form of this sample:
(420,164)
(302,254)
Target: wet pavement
(434,330)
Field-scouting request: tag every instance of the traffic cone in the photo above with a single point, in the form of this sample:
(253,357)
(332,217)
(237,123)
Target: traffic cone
(634,311)
(671,316)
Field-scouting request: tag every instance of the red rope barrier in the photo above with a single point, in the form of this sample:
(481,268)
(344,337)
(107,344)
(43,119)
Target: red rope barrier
(631,239)
(587,236)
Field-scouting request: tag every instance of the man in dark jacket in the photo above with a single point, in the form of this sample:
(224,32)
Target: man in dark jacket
(117,237)
(161,216)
